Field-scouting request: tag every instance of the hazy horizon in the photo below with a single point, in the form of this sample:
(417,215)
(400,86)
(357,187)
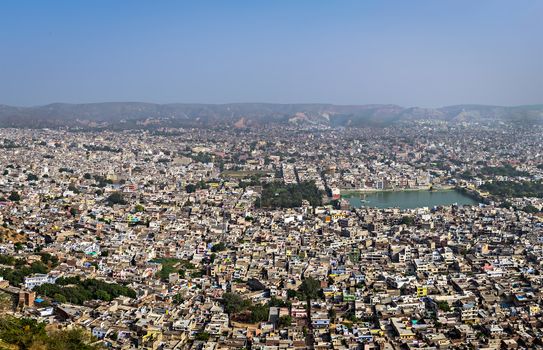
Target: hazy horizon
(417,53)
(269,103)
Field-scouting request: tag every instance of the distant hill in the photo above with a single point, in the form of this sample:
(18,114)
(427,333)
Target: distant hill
(140,115)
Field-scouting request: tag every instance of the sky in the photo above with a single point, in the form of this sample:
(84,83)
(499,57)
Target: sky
(411,53)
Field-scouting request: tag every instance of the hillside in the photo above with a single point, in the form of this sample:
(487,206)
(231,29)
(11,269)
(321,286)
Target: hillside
(139,115)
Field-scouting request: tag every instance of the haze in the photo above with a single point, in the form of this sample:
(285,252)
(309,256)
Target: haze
(412,53)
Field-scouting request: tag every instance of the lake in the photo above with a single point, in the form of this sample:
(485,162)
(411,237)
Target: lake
(409,199)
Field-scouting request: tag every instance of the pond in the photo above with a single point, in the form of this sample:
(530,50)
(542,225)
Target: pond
(409,199)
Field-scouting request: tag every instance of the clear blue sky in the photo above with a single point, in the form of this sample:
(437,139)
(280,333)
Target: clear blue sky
(407,52)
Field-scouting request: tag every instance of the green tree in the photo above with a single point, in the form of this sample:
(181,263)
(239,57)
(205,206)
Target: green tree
(14,196)
(116,198)
(47,259)
(280,195)
(259,313)
(285,321)
(31,177)
(530,209)
(177,299)
(103,295)
(25,333)
(202,336)
(443,306)
(407,220)
(60,298)
(234,303)
(218,247)
(310,287)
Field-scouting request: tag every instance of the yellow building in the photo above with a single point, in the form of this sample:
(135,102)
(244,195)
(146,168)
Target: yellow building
(422,291)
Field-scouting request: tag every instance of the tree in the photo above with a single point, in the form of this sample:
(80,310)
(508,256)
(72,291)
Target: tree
(25,333)
(202,185)
(218,247)
(47,259)
(530,209)
(177,299)
(310,287)
(31,177)
(285,321)
(14,196)
(443,306)
(202,336)
(116,198)
(259,313)
(280,195)
(332,314)
(103,295)
(60,298)
(407,220)
(276,302)
(234,303)
(77,291)
(73,188)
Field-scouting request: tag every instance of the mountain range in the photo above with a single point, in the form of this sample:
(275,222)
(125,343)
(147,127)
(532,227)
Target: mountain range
(240,115)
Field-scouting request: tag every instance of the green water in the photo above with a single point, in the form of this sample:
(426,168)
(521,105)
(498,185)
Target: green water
(409,199)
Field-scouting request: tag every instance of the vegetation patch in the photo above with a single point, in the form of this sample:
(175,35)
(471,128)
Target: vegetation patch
(514,189)
(280,195)
(25,333)
(77,291)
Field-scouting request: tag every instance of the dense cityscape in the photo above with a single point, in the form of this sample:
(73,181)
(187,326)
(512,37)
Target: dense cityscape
(267,238)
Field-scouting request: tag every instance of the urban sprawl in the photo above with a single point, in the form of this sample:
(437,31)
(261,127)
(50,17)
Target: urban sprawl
(246,239)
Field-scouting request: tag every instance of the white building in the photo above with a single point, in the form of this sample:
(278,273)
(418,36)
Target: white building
(37,280)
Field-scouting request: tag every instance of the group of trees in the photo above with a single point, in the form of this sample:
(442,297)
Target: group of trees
(219,247)
(514,189)
(171,265)
(280,195)
(407,220)
(202,157)
(244,310)
(77,291)
(253,180)
(25,333)
(20,269)
(14,196)
(116,198)
(191,188)
(31,177)
(310,288)
(506,170)
(444,306)
(101,181)
(168,267)
(102,148)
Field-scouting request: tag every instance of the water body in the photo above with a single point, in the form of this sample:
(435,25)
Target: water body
(409,199)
